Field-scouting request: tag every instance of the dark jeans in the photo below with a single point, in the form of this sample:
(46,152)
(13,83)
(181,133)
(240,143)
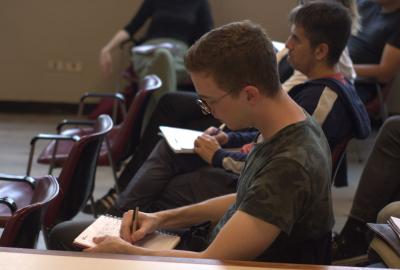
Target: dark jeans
(380,180)
(168,180)
(177,109)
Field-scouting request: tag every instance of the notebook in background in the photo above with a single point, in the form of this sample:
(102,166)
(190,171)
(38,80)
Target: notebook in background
(107,225)
(179,139)
(394,223)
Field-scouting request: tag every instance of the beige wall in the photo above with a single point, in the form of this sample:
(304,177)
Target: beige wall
(49,48)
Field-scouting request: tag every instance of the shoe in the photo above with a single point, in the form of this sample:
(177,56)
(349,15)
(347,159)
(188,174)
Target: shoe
(103,204)
(349,252)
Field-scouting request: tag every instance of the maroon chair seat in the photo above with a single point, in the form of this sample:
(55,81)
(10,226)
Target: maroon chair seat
(121,140)
(22,227)
(21,192)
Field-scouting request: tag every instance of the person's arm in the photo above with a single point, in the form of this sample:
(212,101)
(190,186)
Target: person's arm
(145,11)
(228,244)
(210,210)
(105,58)
(386,70)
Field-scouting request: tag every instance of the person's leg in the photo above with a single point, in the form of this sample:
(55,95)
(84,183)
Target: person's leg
(197,186)
(177,109)
(63,234)
(154,175)
(162,65)
(379,185)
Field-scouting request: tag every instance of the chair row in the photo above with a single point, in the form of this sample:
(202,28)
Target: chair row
(28,205)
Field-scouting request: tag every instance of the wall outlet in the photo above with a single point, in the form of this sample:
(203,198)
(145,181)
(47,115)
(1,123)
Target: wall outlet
(64,66)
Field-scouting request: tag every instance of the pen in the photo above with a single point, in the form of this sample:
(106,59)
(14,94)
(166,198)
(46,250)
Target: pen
(135,219)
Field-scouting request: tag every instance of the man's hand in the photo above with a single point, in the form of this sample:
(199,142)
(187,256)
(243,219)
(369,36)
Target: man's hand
(218,134)
(110,244)
(147,223)
(206,146)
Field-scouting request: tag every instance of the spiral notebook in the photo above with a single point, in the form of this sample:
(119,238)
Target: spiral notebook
(108,225)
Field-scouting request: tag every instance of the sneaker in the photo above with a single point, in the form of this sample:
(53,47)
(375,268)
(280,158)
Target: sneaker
(349,252)
(103,204)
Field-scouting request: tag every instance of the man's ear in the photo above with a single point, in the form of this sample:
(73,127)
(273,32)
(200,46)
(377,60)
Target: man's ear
(321,51)
(252,93)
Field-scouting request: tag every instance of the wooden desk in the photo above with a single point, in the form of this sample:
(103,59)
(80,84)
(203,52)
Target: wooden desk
(24,259)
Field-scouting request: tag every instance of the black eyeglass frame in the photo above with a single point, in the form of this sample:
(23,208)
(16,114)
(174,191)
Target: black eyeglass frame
(205,107)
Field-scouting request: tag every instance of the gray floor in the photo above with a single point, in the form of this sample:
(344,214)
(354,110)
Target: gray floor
(16,130)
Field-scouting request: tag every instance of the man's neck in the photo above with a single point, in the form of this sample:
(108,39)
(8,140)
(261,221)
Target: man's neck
(281,111)
(321,71)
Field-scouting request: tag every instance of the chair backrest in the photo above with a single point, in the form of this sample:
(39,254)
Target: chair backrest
(124,137)
(23,227)
(338,153)
(77,175)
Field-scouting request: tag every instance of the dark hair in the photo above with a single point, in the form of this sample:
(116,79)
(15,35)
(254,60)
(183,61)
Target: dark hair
(236,55)
(324,22)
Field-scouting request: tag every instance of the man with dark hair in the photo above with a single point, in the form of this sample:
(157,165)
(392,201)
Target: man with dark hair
(283,197)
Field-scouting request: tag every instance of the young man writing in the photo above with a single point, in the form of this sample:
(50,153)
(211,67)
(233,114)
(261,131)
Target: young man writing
(283,198)
(167,180)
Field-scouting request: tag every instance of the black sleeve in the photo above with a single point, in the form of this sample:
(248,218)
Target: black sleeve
(145,11)
(204,20)
(240,138)
(394,38)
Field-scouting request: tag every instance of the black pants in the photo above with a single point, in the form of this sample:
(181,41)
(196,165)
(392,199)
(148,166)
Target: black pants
(177,109)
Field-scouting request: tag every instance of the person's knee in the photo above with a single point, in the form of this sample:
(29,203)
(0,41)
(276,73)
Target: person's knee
(392,209)
(392,124)
(164,56)
(63,234)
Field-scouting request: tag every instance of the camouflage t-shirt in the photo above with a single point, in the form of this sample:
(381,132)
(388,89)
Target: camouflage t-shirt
(286,182)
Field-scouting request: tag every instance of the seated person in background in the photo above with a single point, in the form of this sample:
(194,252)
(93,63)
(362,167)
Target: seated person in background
(375,50)
(167,180)
(379,185)
(291,77)
(176,22)
(283,199)
(178,109)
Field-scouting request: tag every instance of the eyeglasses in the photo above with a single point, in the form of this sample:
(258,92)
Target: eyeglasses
(205,107)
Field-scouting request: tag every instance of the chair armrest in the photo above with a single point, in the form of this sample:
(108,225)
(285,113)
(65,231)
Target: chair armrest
(19,178)
(56,137)
(118,97)
(74,122)
(10,203)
